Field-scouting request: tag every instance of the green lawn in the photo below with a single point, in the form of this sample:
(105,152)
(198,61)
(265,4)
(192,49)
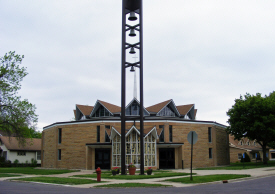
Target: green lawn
(208,178)
(155,174)
(240,166)
(125,185)
(31,170)
(8,175)
(58,180)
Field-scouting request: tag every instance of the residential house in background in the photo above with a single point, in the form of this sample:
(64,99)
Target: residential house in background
(239,147)
(12,150)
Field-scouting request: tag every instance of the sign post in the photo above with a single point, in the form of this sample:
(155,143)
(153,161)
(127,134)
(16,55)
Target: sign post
(192,138)
(243,159)
(256,158)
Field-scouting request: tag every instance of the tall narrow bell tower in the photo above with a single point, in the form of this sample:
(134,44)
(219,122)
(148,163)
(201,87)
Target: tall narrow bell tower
(132,42)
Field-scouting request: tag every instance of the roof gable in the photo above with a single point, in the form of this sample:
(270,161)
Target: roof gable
(85,109)
(108,109)
(111,107)
(188,111)
(236,143)
(157,107)
(82,111)
(169,109)
(147,131)
(133,108)
(12,143)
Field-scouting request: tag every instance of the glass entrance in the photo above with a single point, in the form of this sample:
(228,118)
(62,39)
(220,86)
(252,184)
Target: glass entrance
(167,158)
(102,158)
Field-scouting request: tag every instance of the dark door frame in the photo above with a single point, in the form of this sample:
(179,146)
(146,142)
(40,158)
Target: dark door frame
(167,158)
(106,162)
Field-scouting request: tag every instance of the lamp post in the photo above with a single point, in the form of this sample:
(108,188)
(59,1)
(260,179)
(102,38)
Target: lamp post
(131,8)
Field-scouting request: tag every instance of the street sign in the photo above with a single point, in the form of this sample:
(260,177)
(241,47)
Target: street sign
(192,138)
(243,155)
(195,137)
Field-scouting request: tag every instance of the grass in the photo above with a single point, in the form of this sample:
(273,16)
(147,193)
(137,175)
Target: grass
(240,166)
(32,170)
(125,185)
(8,175)
(208,178)
(155,174)
(58,180)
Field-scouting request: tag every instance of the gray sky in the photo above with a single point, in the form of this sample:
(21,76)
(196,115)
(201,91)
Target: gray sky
(195,51)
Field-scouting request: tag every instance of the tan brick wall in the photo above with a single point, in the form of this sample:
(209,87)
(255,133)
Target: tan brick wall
(76,155)
(234,154)
(222,147)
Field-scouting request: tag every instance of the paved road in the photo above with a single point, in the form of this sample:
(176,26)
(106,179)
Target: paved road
(264,185)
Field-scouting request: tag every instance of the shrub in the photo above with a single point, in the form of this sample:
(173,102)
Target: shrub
(33,163)
(8,163)
(27,163)
(246,159)
(16,163)
(2,161)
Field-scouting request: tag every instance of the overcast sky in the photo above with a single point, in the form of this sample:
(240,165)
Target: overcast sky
(195,51)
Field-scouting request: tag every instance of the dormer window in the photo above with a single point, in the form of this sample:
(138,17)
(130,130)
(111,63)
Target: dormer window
(133,109)
(101,112)
(167,111)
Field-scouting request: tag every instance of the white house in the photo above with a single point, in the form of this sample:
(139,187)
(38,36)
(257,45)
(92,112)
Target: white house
(12,150)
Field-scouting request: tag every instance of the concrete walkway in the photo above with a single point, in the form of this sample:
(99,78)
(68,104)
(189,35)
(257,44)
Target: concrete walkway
(255,173)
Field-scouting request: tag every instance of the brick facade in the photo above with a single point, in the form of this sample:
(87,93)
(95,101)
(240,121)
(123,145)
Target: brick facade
(75,154)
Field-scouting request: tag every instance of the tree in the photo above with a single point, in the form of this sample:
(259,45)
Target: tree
(254,117)
(17,116)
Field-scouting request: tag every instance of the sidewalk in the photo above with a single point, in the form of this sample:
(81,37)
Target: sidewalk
(255,173)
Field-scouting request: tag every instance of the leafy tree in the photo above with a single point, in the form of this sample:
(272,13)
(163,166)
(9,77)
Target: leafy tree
(254,117)
(17,116)
(246,159)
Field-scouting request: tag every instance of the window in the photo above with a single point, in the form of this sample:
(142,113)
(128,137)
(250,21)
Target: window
(132,143)
(133,109)
(59,154)
(21,153)
(167,111)
(240,156)
(107,126)
(38,155)
(209,135)
(161,136)
(210,153)
(116,143)
(101,112)
(170,133)
(107,139)
(59,135)
(98,133)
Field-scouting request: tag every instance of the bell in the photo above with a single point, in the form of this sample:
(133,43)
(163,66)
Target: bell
(132,51)
(132,69)
(132,32)
(132,16)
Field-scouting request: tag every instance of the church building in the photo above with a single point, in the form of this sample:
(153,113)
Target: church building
(94,138)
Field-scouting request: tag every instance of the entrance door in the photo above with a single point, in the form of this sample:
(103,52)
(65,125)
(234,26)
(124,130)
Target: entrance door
(102,158)
(167,158)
